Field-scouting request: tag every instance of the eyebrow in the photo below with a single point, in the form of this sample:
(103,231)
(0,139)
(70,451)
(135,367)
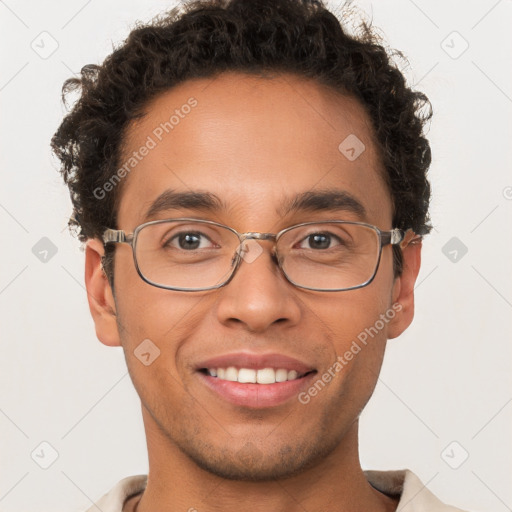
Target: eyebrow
(327,200)
(171,200)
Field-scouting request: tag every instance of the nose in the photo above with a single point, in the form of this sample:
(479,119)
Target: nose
(259,295)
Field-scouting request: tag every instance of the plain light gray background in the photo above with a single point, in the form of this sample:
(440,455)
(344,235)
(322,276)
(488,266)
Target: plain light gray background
(445,389)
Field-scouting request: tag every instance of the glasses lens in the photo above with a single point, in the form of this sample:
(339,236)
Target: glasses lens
(191,255)
(186,254)
(329,256)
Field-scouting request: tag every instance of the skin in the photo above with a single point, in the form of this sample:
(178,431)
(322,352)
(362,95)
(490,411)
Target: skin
(252,141)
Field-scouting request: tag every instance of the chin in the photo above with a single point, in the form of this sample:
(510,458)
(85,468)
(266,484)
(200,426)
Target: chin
(254,463)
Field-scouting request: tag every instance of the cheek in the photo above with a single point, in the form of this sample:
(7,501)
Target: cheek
(145,311)
(163,316)
(154,326)
(356,324)
(353,313)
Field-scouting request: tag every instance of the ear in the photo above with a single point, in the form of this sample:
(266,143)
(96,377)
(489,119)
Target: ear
(403,287)
(99,295)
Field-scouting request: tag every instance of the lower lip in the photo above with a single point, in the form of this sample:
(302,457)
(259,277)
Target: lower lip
(257,396)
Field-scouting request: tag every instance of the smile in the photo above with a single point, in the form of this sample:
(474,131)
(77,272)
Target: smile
(254,376)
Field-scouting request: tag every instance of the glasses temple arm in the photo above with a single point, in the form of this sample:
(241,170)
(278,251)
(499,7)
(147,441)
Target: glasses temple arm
(114,235)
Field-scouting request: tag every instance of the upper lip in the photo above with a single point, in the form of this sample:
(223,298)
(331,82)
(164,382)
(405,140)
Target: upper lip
(256,362)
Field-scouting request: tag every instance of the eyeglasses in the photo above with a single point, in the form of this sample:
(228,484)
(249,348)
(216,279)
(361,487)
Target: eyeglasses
(188,254)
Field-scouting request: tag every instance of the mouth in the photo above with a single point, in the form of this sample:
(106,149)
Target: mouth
(263,376)
(247,379)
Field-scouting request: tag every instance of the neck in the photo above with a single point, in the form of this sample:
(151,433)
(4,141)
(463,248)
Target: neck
(336,483)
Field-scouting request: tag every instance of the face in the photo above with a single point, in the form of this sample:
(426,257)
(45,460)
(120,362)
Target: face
(255,143)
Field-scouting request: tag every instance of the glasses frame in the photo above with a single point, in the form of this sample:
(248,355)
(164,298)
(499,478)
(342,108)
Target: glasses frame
(393,237)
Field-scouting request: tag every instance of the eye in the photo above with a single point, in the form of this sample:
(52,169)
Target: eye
(320,241)
(188,241)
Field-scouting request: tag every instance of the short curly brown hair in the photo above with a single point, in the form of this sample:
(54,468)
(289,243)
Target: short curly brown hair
(205,37)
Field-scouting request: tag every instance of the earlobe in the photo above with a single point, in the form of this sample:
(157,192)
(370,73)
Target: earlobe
(99,295)
(403,287)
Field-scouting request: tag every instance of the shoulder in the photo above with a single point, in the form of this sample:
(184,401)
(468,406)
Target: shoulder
(114,499)
(414,495)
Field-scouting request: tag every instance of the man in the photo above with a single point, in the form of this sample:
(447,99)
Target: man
(250,182)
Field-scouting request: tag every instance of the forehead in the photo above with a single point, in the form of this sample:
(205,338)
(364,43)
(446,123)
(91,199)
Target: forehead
(255,143)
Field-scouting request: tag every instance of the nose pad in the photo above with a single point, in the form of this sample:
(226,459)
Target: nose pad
(273,256)
(249,250)
(235,258)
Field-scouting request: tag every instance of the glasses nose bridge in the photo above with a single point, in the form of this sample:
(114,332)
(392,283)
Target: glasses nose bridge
(255,235)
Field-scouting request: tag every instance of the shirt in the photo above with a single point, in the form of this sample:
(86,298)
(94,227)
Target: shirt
(414,496)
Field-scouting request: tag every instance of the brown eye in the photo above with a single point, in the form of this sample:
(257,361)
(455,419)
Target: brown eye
(188,241)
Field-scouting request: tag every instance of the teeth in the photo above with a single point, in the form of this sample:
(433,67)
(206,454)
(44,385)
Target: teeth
(281,375)
(231,374)
(249,375)
(266,376)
